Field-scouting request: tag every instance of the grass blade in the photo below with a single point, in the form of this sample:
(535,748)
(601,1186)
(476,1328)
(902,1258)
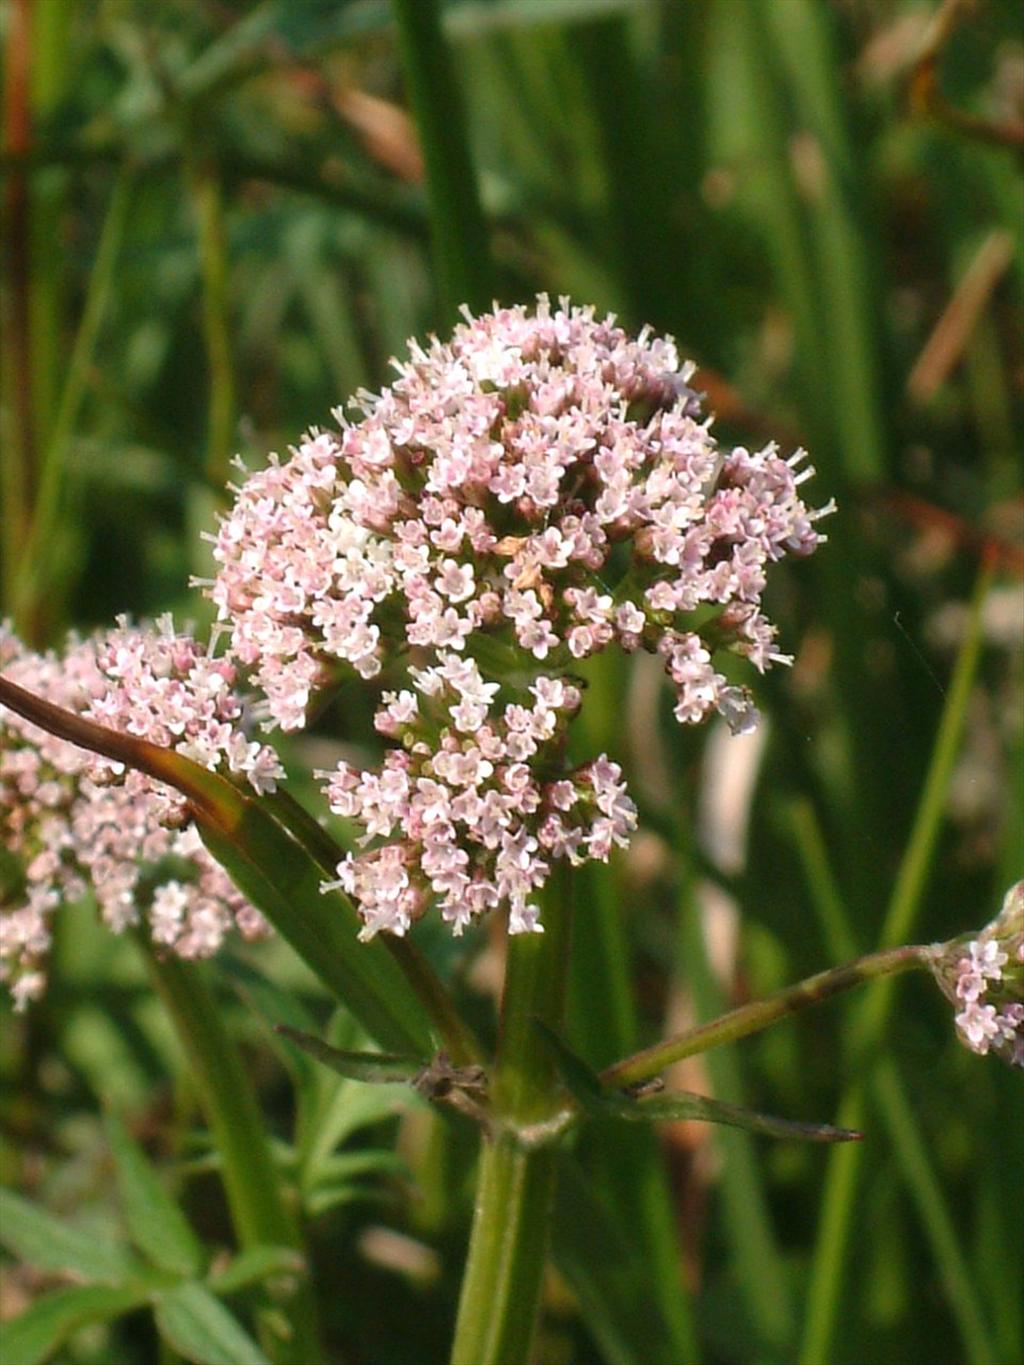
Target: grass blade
(836,1223)
(461,251)
(156,1225)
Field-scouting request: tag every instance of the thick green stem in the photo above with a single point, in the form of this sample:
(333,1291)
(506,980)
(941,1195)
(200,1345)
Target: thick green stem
(759,1014)
(251,1181)
(461,254)
(501,1288)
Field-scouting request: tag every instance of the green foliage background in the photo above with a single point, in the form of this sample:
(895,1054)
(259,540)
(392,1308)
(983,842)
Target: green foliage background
(216,229)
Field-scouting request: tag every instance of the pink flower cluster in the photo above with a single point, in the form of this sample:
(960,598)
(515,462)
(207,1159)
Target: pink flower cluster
(540,480)
(72,823)
(475,805)
(985,978)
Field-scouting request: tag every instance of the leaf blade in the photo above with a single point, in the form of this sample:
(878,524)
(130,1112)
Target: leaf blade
(50,1243)
(199,1327)
(375,1068)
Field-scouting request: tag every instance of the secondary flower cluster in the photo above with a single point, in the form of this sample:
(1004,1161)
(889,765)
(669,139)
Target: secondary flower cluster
(71,822)
(984,977)
(542,479)
(475,805)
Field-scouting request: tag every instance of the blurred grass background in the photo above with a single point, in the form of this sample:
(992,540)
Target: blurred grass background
(217,226)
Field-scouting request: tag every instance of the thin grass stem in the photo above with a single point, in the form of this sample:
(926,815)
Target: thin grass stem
(460,247)
(252,1181)
(835,1228)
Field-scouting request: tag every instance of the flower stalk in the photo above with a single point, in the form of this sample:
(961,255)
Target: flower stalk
(759,1014)
(501,1288)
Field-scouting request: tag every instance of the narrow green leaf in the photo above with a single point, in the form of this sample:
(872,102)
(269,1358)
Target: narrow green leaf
(339,1107)
(199,1327)
(157,1226)
(585,1087)
(661,1108)
(377,1068)
(42,1240)
(34,1335)
(254,1265)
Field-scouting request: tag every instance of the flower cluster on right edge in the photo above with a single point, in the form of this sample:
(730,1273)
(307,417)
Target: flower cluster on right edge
(535,489)
(983,976)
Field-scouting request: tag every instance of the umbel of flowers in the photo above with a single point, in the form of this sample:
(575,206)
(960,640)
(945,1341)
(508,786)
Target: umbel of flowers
(521,497)
(71,822)
(984,978)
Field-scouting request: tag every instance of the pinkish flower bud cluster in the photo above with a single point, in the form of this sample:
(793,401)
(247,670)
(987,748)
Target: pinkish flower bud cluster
(541,479)
(984,978)
(472,809)
(72,823)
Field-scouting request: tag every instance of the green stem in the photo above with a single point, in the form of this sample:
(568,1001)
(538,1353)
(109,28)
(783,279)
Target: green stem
(759,1014)
(251,1180)
(840,1195)
(501,1288)
(461,252)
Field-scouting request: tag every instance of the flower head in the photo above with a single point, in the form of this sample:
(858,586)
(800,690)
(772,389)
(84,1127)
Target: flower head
(73,823)
(534,490)
(984,978)
(541,480)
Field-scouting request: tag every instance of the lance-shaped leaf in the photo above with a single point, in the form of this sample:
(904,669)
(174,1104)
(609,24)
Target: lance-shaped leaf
(269,866)
(201,1329)
(585,1087)
(377,1068)
(436,1080)
(684,1105)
